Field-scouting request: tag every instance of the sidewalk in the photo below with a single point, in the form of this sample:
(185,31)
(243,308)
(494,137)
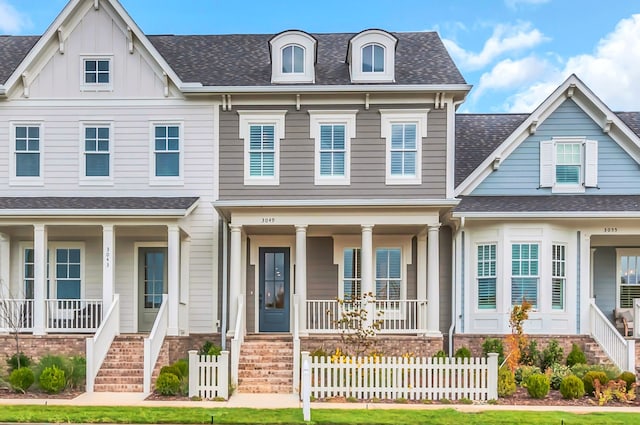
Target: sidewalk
(288,401)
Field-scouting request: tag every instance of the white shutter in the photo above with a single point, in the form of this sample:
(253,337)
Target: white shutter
(547,174)
(591,163)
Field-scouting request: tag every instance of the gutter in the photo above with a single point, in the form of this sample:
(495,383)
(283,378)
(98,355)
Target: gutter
(488,215)
(454,316)
(339,203)
(325,88)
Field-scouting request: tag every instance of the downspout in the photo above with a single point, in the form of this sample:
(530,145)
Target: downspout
(454,314)
(225,284)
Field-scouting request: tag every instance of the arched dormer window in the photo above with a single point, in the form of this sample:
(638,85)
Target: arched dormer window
(371,57)
(293,57)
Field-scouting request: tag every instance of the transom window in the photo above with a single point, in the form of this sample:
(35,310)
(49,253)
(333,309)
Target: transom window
(351,281)
(373,58)
(262,151)
(629,280)
(558,276)
(569,163)
(96,151)
(293,59)
(332,150)
(27,151)
(167,150)
(388,273)
(524,273)
(486,276)
(97,71)
(404,150)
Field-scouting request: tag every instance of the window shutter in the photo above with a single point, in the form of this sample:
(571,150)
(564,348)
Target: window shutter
(591,163)
(546,164)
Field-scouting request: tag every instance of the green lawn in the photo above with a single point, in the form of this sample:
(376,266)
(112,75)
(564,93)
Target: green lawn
(176,415)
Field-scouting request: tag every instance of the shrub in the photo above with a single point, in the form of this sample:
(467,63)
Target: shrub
(439,355)
(50,361)
(580,370)
(21,379)
(462,353)
(538,385)
(183,367)
(576,356)
(530,356)
(77,372)
(172,369)
(629,378)
(589,379)
(506,382)
(493,345)
(167,384)
(572,387)
(523,372)
(53,380)
(12,362)
(556,374)
(551,355)
(209,349)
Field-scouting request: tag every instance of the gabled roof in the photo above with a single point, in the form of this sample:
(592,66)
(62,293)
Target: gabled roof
(14,49)
(623,127)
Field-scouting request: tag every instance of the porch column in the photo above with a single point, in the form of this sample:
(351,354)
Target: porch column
(366,271)
(5,267)
(433,280)
(301,275)
(421,271)
(235,274)
(173,252)
(108,266)
(39,278)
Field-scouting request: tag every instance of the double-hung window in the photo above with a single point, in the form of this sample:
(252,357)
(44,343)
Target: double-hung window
(486,276)
(388,274)
(65,283)
(97,151)
(525,273)
(96,73)
(262,132)
(27,154)
(68,273)
(558,276)
(167,155)
(629,280)
(404,131)
(332,132)
(568,164)
(351,279)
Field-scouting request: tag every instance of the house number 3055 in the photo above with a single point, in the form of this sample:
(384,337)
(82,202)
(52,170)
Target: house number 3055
(268,220)
(610,229)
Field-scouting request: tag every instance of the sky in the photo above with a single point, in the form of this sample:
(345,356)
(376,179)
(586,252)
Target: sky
(513,52)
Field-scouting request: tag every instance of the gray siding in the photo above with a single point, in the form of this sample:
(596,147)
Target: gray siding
(445,278)
(412,272)
(322,274)
(519,174)
(297,159)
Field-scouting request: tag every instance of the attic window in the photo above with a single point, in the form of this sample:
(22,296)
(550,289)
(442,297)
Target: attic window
(293,56)
(293,59)
(371,57)
(96,73)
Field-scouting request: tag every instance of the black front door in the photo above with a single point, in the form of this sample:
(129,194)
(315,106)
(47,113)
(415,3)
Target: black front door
(274,290)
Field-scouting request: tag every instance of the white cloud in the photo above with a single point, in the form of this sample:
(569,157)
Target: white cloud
(612,72)
(515,3)
(505,38)
(12,21)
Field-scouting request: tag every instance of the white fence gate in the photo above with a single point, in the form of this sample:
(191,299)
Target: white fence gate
(209,376)
(390,378)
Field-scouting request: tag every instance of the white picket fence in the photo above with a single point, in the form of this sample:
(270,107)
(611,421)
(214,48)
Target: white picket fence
(209,376)
(411,378)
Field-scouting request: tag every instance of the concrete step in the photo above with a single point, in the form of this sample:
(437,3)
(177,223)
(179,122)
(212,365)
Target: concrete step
(118,388)
(119,380)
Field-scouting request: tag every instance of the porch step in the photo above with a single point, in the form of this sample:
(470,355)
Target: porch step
(595,354)
(123,367)
(266,364)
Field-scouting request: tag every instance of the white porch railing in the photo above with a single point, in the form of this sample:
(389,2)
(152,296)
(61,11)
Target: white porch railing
(99,344)
(77,315)
(16,315)
(394,317)
(411,378)
(236,342)
(153,343)
(636,317)
(296,344)
(620,350)
(209,376)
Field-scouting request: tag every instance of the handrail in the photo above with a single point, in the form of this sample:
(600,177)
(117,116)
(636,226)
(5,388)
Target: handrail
(296,344)
(620,350)
(153,343)
(236,342)
(98,346)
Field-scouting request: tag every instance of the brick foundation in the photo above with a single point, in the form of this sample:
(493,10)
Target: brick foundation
(388,345)
(38,346)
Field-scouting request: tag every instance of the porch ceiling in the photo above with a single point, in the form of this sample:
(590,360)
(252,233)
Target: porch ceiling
(326,230)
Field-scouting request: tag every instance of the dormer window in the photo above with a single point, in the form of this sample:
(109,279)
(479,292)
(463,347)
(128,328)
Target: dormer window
(371,57)
(293,59)
(293,56)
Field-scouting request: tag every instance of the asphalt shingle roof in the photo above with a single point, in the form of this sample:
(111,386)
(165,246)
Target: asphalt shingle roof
(12,50)
(96,203)
(549,204)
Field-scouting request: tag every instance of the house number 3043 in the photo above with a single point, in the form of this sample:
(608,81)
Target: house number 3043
(610,229)
(268,220)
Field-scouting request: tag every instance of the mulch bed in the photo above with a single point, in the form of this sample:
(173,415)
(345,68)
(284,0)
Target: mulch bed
(6,393)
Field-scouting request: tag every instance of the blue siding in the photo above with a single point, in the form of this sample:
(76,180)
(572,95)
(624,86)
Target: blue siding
(519,174)
(604,279)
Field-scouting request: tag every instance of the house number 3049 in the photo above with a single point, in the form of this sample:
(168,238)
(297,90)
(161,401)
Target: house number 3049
(268,220)
(610,229)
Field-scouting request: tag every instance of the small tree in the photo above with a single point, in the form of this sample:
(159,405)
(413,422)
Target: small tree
(357,331)
(15,317)
(517,341)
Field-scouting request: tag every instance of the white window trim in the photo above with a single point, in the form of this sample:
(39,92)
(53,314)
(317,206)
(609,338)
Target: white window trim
(85,180)
(287,38)
(358,42)
(249,118)
(51,248)
(14,180)
(475,277)
(542,273)
(341,242)
(589,155)
(620,252)
(403,116)
(84,86)
(165,180)
(566,277)
(339,117)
